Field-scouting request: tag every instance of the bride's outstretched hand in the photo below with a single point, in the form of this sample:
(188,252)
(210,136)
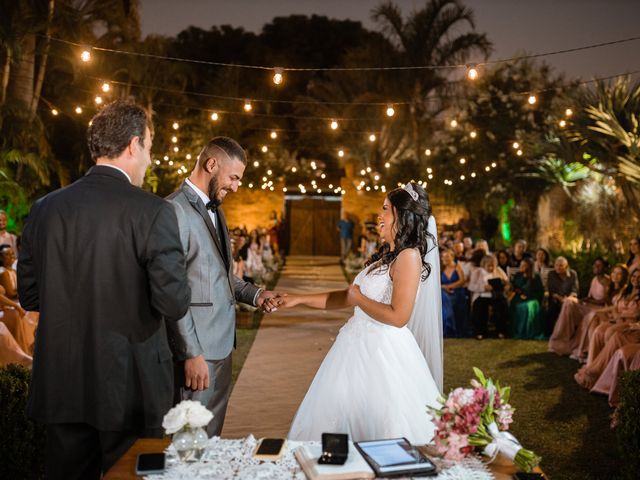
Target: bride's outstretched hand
(289,301)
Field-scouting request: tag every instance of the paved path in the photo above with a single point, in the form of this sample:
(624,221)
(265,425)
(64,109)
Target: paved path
(286,353)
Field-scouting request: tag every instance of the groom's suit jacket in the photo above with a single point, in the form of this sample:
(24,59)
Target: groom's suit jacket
(208,328)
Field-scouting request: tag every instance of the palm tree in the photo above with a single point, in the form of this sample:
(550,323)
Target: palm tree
(607,126)
(429,36)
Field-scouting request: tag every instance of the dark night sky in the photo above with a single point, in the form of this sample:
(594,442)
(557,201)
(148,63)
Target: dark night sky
(514,26)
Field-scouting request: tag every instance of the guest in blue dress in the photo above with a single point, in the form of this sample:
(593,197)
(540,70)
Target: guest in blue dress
(525,309)
(454,297)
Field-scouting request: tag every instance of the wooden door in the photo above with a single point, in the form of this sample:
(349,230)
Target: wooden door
(313,226)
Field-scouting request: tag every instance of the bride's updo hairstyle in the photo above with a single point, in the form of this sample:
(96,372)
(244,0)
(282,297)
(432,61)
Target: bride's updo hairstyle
(411,219)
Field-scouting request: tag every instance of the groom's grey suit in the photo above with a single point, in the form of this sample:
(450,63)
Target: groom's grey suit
(208,328)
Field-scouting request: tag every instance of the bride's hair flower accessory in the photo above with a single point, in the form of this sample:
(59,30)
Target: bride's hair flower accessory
(409,189)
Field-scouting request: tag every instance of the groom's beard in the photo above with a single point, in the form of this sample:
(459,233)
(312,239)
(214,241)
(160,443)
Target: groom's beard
(214,189)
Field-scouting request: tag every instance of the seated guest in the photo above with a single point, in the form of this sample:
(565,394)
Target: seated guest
(542,260)
(487,286)
(634,254)
(562,284)
(568,329)
(526,304)
(458,251)
(617,286)
(7,238)
(519,252)
(589,373)
(626,310)
(454,296)
(502,256)
(8,276)
(625,359)
(10,351)
(468,247)
(15,319)
(484,245)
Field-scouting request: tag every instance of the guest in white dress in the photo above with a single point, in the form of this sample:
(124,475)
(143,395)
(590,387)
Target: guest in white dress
(376,380)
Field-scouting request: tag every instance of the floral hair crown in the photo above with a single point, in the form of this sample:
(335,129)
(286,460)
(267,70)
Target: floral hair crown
(409,189)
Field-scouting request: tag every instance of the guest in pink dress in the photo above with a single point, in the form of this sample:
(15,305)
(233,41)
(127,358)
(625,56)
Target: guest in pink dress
(634,254)
(567,331)
(626,358)
(619,282)
(589,374)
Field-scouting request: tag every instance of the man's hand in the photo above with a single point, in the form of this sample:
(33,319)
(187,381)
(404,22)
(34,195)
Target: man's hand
(196,373)
(269,301)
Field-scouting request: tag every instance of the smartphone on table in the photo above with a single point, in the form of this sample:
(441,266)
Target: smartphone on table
(150,463)
(270,449)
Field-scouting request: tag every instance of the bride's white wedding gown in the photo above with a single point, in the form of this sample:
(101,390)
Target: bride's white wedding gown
(374,383)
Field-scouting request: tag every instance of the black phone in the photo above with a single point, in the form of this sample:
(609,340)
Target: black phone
(150,463)
(269,448)
(528,476)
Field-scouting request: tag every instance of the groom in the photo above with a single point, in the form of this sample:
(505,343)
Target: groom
(203,339)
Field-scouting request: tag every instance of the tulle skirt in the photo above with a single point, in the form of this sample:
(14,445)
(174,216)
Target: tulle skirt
(374,383)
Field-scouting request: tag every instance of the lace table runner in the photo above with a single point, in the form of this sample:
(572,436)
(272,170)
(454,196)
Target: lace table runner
(232,459)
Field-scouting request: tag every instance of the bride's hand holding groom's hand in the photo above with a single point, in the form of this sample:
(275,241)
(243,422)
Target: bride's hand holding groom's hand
(270,301)
(353,295)
(289,301)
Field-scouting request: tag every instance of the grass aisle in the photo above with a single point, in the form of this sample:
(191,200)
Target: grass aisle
(565,424)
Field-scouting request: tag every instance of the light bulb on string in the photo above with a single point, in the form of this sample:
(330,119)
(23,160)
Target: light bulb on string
(472,72)
(214,116)
(269,172)
(453,123)
(98,100)
(568,112)
(175,126)
(174,139)
(323,176)
(256,163)
(462,177)
(284,189)
(341,153)
(515,145)
(430,176)
(390,111)
(562,123)
(532,99)
(264,149)
(188,157)
(427,152)
(278,78)
(105,87)
(463,161)
(54,112)
(85,55)
(78,110)
(250,185)
(429,170)
(171,163)
(376,177)
(165,158)
(387,165)
(273,134)
(473,134)
(247,106)
(519,153)
(372,138)
(176,149)
(473,174)
(294,169)
(157,162)
(494,164)
(331,185)
(487,168)
(363,172)
(368,169)
(333,125)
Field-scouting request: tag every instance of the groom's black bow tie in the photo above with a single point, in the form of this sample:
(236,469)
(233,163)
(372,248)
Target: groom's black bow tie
(211,205)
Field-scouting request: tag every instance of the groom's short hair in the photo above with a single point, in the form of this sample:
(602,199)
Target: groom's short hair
(227,145)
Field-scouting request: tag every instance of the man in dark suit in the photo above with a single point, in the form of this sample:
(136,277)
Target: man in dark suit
(101,261)
(202,341)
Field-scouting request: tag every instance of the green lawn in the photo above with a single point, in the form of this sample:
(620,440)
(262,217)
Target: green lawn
(565,424)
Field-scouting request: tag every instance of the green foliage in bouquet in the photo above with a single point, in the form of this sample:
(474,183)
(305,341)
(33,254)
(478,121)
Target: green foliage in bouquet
(627,418)
(22,441)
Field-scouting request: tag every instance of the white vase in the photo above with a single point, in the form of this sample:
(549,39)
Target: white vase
(190,443)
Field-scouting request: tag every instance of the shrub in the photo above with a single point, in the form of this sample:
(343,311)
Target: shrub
(21,440)
(628,424)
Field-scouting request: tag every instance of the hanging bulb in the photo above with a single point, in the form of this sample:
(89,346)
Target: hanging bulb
(341,153)
(372,138)
(473,134)
(247,106)
(215,117)
(334,125)
(278,78)
(532,99)
(54,112)
(427,152)
(85,56)
(264,149)
(98,100)
(387,165)
(274,134)
(175,126)
(105,87)
(256,163)
(463,161)
(568,112)
(390,111)
(562,123)
(78,110)
(472,72)
(454,123)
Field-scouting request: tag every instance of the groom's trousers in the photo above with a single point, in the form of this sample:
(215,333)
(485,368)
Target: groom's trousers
(215,398)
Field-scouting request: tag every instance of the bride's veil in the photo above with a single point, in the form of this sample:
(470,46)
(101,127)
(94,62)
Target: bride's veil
(426,318)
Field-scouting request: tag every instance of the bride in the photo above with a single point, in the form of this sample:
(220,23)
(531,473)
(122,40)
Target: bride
(385,366)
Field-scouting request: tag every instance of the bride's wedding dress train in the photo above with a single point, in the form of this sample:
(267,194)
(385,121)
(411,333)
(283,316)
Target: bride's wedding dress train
(374,383)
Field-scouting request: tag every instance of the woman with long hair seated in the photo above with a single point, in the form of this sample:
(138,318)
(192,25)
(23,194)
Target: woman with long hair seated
(625,358)
(525,308)
(567,331)
(487,286)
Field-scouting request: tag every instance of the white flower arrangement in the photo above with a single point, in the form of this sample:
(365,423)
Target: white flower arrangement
(188,413)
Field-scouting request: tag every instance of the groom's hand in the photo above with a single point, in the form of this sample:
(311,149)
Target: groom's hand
(269,301)
(196,373)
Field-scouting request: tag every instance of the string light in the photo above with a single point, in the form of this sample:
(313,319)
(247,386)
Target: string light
(562,123)
(376,177)
(78,110)
(463,161)
(98,100)
(363,172)
(175,126)
(430,176)
(519,153)
(390,111)
(85,56)
(331,185)
(174,139)
(387,165)
(247,106)
(176,149)
(368,189)
(341,153)
(473,174)
(473,134)
(568,112)
(269,172)
(427,152)
(157,162)
(462,177)
(487,168)
(294,169)
(454,123)
(54,112)
(323,176)
(171,163)
(256,163)
(284,189)
(472,72)
(105,87)
(334,125)
(532,99)
(516,145)
(277,76)
(165,158)
(372,138)
(188,157)
(250,185)
(264,149)
(368,169)
(494,164)
(274,134)
(215,117)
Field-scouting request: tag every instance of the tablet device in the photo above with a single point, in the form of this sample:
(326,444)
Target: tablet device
(395,457)
(497,285)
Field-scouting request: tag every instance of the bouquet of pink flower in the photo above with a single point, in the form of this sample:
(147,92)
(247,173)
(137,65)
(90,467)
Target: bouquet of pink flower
(478,419)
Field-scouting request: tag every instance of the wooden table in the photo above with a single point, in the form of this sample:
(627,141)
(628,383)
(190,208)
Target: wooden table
(125,468)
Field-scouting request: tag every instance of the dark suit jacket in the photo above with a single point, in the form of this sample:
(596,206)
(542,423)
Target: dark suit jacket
(101,261)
